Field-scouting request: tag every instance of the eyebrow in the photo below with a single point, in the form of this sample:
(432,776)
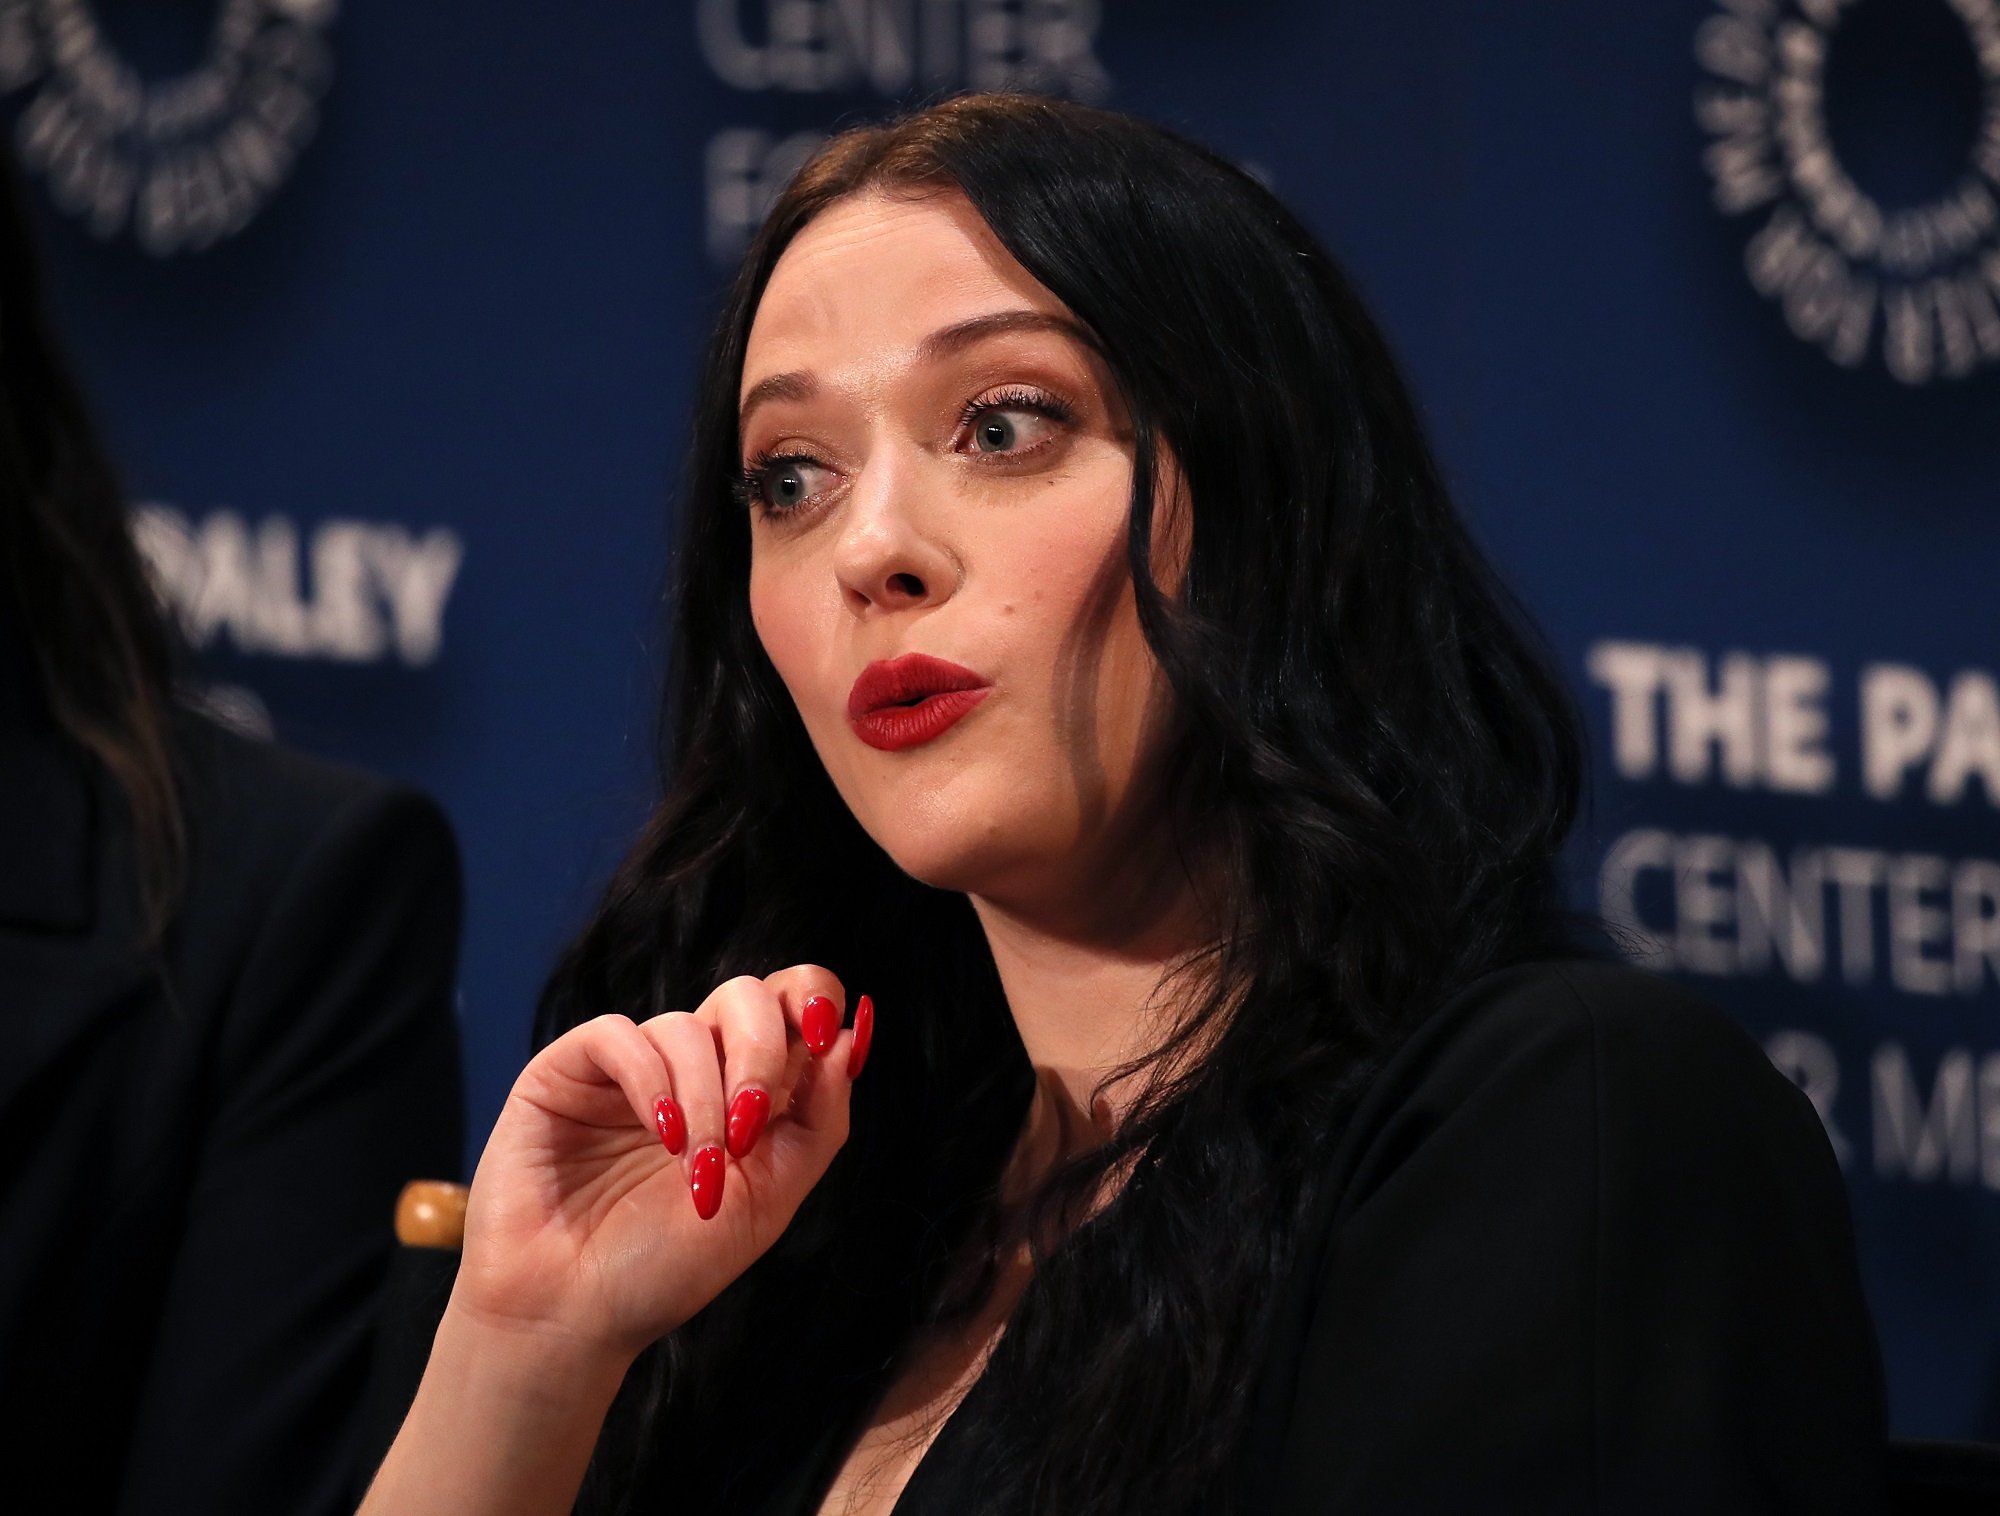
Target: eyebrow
(943,343)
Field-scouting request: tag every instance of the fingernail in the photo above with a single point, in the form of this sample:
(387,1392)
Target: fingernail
(864,1033)
(706,1183)
(747,1114)
(672,1124)
(821,1018)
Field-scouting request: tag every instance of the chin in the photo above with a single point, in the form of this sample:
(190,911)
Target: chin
(957,852)
(942,863)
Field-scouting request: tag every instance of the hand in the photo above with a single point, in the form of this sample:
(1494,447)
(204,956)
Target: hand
(583,1225)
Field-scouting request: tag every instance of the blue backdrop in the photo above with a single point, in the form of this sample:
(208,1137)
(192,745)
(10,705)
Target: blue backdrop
(391,313)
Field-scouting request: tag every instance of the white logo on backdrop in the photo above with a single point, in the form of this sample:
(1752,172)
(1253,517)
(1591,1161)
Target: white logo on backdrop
(1815,910)
(184,161)
(1831,256)
(888,48)
(350,591)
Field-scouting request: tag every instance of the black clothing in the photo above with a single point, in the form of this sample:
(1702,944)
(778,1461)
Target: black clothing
(1584,1250)
(203,1146)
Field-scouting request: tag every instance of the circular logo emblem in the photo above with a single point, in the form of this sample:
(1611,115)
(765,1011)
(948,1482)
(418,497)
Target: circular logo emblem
(1866,136)
(182,161)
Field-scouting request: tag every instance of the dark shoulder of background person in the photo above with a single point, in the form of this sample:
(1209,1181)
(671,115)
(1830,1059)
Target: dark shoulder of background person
(205,1139)
(1582,1250)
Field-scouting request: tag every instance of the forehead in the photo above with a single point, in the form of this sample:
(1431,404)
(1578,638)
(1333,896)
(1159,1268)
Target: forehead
(874,274)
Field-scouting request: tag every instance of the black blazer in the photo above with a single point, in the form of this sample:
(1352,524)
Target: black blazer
(1582,1251)
(200,1150)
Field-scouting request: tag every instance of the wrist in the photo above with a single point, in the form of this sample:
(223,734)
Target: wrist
(530,1354)
(504,1421)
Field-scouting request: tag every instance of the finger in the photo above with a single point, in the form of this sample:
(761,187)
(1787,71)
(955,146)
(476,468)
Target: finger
(864,1036)
(610,1050)
(815,1002)
(819,1103)
(688,1047)
(749,1022)
(819,1110)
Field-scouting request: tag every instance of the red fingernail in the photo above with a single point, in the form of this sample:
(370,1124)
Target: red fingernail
(821,1019)
(706,1184)
(747,1114)
(864,1033)
(672,1124)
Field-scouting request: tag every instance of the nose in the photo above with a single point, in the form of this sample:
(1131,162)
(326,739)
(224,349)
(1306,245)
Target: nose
(890,554)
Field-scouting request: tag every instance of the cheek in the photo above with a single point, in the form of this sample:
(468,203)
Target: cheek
(1104,682)
(784,625)
(1132,693)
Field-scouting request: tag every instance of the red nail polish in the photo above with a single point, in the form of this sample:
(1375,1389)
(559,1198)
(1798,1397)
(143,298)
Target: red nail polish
(864,1033)
(706,1185)
(747,1114)
(672,1124)
(821,1018)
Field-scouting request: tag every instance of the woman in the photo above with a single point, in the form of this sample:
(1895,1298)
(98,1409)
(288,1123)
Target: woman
(1077,653)
(226,1024)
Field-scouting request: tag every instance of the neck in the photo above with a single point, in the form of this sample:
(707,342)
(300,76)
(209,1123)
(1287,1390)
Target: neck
(1089,992)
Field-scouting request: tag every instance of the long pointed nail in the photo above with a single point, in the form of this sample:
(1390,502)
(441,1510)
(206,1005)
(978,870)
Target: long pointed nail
(864,1033)
(706,1182)
(747,1114)
(672,1124)
(820,1021)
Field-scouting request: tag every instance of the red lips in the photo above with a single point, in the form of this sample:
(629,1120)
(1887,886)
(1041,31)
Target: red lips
(911,699)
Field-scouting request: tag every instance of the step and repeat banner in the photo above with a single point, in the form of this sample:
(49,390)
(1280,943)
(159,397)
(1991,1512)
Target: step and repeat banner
(391,313)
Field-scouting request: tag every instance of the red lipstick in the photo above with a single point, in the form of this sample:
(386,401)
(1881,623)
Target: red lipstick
(911,699)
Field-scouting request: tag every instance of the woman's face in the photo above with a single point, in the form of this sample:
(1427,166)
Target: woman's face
(938,464)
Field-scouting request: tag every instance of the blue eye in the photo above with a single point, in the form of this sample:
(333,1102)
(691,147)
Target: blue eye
(1013,421)
(779,485)
(996,433)
(785,486)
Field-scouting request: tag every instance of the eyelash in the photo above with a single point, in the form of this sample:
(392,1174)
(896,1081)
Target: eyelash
(1041,402)
(747,486)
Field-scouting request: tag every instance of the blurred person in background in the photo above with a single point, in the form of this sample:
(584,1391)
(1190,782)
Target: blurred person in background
(227,1028)
(1077,650)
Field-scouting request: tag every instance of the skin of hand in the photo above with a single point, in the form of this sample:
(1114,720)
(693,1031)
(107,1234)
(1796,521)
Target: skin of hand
(581,1226)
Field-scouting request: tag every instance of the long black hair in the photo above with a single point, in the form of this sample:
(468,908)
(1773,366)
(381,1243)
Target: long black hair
(100,650)
(1382,763)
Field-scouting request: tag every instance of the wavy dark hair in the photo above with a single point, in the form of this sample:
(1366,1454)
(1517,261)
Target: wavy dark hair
(1381,761)
(101,650)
